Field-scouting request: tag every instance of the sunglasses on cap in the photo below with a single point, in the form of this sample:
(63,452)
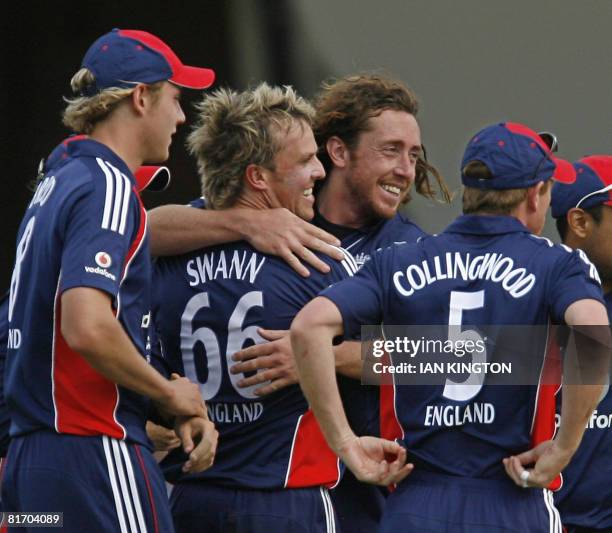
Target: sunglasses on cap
(550,140)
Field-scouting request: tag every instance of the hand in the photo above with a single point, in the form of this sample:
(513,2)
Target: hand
(185,399)
(374,460)
(163,439)
(548,459)
(280,232)
(199,438)
(273,359)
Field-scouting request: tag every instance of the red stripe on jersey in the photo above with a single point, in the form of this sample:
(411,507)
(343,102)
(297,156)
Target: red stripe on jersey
(136,243)
(85,401)
(312,462)
(543,427)
(390,427)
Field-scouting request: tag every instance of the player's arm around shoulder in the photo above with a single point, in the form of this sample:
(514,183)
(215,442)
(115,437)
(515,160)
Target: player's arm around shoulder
(178,229)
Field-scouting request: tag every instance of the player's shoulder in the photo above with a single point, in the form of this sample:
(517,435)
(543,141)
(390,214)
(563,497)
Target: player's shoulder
(548,248)
(345,267)
(402,224)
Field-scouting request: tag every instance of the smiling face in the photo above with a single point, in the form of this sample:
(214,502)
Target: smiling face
(382,166)
(165,115)
(296,169)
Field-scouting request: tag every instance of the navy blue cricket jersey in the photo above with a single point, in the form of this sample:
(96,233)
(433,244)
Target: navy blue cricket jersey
(208,305)
(84,227)
(585,498)
(488,270)
(363,242)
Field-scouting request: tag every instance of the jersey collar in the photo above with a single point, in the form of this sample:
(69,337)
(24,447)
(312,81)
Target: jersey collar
(486,225)
(87,147)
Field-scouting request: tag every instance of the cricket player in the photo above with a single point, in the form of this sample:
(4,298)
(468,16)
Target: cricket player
(487,267)
(254,149)
(76,376)
(583,213)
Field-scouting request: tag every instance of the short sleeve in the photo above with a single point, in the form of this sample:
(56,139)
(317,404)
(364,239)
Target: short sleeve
(99,229)
(359,298)
(574,278)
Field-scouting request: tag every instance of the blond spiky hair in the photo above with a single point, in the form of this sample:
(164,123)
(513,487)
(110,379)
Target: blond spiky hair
(235,130)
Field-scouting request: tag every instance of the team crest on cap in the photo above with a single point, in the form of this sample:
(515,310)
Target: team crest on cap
(103,260)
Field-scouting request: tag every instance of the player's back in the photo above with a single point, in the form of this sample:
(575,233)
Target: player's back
(481,271)
(208,305)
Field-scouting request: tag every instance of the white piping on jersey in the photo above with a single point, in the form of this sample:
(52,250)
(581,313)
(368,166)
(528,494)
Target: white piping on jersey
(124,498)
(535,407)
(348,262)
(338,475)
(297,426)
(116,200)
(59,278)
(353,244)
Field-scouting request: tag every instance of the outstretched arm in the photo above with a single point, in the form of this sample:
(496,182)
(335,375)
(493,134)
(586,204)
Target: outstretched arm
(176,229)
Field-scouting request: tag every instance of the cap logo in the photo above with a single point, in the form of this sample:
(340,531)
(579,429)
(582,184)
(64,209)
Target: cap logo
(103,260)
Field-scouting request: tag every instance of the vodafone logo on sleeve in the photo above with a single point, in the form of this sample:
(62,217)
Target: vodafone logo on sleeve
(103,260)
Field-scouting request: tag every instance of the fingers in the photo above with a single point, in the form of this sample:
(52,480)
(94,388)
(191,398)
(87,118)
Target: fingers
(321,235)
(309,257)
(529,457)
(261,377)
(274,385)
(294,263)
(203,455)
(397,474)
(184,431)
(272,334)
(263,362)
(257,350)
(516,472)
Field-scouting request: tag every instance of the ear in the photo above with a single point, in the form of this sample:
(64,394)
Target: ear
(338,151)
(535,196)
(140,98)
(256,177)
(579,222)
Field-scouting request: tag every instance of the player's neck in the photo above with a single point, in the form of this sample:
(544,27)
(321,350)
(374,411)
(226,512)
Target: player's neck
(121,140)
(336,204)
(254,200)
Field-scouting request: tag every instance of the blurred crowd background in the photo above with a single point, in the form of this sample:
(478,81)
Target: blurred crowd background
(546,63)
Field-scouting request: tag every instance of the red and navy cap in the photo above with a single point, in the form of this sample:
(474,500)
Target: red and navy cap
(124,58)
(516,156)
(592,186)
